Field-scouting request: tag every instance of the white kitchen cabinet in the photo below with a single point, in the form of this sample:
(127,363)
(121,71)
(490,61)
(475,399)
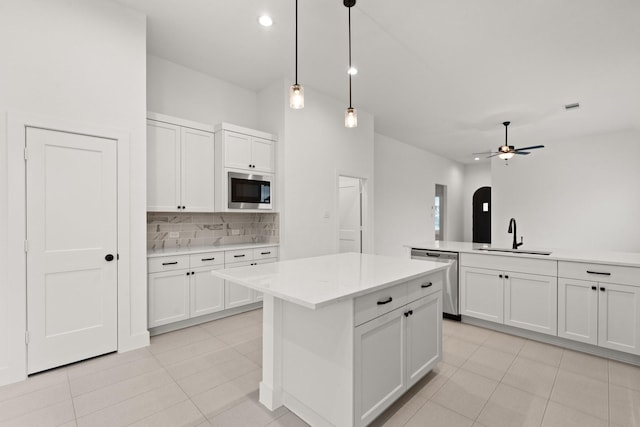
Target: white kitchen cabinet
(206,292)
(396,349)
(531,302)
(168,297)
(481,294)
(600,313)
(238,295)
(246,151)
(180,167)
(508,293)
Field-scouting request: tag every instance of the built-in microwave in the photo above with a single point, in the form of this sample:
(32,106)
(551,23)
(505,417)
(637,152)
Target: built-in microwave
(249,191)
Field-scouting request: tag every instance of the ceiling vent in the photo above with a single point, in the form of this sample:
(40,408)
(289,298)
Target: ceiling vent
(573,106)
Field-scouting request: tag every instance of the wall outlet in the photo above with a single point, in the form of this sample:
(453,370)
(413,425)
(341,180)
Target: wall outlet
(174,234)
(235,232)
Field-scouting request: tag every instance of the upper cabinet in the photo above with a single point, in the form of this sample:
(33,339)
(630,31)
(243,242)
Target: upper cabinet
(245,149)
(180,165)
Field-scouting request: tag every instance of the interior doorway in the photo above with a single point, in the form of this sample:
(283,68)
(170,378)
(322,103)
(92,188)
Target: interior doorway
(72,243)
(350,213)
(439,211)
(482,215)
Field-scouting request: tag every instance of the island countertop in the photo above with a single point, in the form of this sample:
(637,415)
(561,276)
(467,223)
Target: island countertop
(320,281)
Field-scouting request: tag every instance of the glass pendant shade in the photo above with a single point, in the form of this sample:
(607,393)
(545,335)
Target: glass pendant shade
(351,118)
(506,156)
(296,97)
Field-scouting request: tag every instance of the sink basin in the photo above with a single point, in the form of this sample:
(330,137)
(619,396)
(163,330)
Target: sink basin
(516,251)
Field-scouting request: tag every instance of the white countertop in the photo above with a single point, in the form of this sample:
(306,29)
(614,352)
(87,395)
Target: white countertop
(152,253)
(629,259)
(320,281)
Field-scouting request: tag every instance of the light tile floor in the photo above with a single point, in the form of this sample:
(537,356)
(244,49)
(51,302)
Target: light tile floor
(208,375)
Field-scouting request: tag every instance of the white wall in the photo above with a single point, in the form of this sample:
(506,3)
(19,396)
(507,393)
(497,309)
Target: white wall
(405,179)
(182,92)
(476,175)
(81,61)
(314,147)
(572,194)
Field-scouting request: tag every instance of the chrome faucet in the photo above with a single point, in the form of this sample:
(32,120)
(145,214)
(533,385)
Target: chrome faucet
(512,229)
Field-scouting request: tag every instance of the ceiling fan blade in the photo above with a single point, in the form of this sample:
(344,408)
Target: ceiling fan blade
(521,152)
(533,147)
(493,155)
(484,152)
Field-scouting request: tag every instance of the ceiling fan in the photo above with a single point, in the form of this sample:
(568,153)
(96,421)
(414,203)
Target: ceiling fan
(506,151)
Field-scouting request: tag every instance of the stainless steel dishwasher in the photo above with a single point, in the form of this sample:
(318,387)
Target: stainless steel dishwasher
(450,306)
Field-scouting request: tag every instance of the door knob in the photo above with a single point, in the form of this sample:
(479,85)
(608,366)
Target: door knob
(109,257)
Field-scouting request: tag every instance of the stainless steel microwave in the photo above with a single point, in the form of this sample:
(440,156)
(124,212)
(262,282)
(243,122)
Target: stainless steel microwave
(249,191)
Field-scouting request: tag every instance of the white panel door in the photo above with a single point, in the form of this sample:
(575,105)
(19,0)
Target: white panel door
(206,291)
(262,155)
(379,365)
(578,310)
(481,294)
(197,170)
(350,215)
(71,228)
(619,317)
(237,148)
(163,167)
(531,302)
(424,336)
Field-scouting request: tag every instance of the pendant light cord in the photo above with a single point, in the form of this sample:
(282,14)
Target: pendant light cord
(349,57)
(296,42)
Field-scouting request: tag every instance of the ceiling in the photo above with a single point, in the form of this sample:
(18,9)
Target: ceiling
(441,75)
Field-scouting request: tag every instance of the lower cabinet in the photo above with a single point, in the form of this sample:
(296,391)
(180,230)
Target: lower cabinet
(393,352)
(181,287)
(603,314)
(527,301)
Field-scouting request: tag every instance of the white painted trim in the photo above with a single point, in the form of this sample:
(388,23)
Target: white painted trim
(180,122)
(367,210)
(244,131)
(16,139)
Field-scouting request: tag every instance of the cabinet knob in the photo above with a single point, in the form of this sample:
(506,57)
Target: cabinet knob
(602,289)
(500,276)
(506,277)
(188,273)
(406,314)
(179,207)
(593,288)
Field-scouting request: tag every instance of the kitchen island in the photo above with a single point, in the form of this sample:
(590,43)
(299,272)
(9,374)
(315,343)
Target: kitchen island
(345,335)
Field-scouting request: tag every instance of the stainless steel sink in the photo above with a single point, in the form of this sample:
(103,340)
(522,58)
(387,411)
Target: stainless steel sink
(516,251)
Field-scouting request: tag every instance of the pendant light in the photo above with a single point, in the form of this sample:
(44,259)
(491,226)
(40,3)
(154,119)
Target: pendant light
(296,91)
(351,115)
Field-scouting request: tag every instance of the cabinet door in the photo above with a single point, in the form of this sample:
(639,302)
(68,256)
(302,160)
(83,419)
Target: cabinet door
(168,297)
(379,365)
(619,317)
(197,170)
(481,294)
(531,302)
(206,292)
(424,336)
(257,295)
(163,167)
(236,295)
(262,154)
(237,149)
(578,310)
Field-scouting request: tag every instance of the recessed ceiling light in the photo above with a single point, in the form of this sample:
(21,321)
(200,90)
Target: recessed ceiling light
(476,158)
(353,71)
(265,21)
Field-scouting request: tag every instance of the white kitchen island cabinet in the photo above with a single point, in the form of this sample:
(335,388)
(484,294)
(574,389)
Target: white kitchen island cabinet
(345,335)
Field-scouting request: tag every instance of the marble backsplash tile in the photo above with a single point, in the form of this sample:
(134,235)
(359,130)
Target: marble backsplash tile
(182,229)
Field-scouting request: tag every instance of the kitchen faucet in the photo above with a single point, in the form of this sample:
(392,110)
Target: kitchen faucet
(512,229)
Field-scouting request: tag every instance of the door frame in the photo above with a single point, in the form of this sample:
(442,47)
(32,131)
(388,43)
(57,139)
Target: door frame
(367,222)
(17,123)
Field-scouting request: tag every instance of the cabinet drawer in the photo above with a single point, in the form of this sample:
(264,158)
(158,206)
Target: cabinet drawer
(599,272)
(238,256)
(425,285)
(375,304)
(178,262)
(546,267)
(206,259)
(263,253)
